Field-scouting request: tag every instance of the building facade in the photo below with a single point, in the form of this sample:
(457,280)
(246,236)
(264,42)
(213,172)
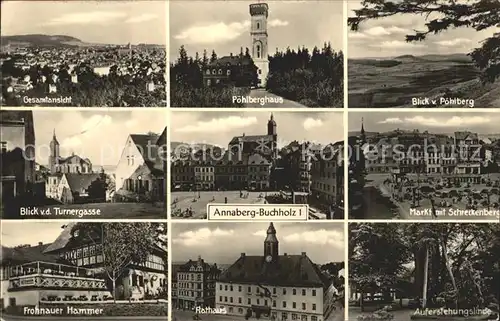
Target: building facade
(17,138)
(140,170)
(273,286)
(66,269)
(195,284)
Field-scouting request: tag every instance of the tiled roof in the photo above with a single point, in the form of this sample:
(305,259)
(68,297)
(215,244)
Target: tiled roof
(231,60)
(62,240)
(288,270)
(77,182)
(21,255)
(81,160)
(188,265)
(148,147)
(251,138)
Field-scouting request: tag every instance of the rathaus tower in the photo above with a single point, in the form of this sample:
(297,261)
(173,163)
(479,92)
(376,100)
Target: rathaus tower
(258,31)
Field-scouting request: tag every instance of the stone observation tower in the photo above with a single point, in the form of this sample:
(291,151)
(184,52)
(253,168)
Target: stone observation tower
(258,31)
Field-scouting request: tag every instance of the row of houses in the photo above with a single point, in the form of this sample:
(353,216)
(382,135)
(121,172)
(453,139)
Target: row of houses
(141,169)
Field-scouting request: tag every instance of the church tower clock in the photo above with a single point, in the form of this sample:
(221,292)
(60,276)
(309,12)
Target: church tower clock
(271,245)
(258,31)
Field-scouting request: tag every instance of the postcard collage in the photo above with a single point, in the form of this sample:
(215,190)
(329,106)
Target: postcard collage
(225,160)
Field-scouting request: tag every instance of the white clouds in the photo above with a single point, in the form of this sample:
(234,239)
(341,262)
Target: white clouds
(311,123)
(356,35)
(213,33)
(455,121)
(396,44)
(377,31)
(394,120)
(381,31)
(92,17)
(141,18)
(218,125)
(202,236)
(453,42)
(220,32)
(277,23)
(95,121)
(319,237)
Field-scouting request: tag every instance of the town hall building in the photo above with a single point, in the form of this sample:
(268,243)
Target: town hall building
(273,286)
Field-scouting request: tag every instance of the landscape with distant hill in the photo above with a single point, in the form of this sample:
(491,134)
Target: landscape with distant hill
(393,82)
(41,40)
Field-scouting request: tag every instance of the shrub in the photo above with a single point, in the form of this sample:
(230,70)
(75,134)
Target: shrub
(376,316)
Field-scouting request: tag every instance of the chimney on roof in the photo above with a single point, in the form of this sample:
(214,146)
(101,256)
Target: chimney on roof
(304,254)
(243,255)
(40,243)
(231,54)
(243,135)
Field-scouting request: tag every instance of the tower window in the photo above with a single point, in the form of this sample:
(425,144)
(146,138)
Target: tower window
(260,71)
(258,51)
(258,25)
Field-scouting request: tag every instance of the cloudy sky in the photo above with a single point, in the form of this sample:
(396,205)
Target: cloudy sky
(482,123)
(99,136)
(386,37)
(224,25)
(322,242)
(218,128)
(32,232)
(111,22)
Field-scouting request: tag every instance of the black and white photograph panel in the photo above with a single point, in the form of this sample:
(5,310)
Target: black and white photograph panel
(256,54)
(439,165)
(423,271)
(84,271)
(277,271)
(245,159)
(423,54)
(83,164)
(84,53)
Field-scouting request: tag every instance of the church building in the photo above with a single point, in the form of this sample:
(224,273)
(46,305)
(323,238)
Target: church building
(273,286)
(71,164)
(266,145)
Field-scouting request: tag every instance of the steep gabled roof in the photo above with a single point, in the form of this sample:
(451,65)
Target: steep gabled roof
(78,182)
(288,270)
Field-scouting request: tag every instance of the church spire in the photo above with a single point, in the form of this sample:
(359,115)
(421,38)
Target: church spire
(363,135)
(271,249)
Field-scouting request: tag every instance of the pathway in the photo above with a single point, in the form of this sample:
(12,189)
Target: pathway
(261,94)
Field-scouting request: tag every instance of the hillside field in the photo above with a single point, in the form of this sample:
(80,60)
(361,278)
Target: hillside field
(394,82)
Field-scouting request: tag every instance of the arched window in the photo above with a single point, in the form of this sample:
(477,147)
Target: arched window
(220,71)
(258,25)
(258,51)
(208,71)
(214,72)
(228,72)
